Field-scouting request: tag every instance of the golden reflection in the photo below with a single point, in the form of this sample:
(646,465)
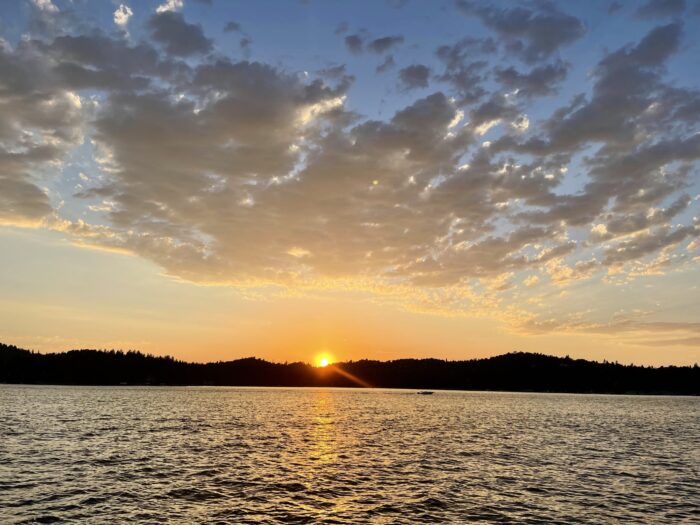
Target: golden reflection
(323,438)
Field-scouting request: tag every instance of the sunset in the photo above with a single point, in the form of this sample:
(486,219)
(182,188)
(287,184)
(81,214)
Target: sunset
(294,213)
(323,360)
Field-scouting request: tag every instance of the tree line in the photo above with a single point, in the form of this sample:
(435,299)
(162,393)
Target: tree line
(516,371)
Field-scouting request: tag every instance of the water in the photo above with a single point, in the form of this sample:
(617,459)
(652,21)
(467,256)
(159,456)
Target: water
(242,455)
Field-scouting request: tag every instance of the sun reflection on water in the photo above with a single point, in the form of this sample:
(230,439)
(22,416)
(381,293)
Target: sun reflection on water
(323,431)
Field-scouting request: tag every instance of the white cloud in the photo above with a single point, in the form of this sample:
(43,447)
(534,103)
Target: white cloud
(170,5)
(122,15)
(45,5)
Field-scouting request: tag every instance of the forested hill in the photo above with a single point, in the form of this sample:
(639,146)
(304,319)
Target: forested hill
(512,372)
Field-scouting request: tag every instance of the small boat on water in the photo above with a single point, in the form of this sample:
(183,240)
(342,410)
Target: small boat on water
(425,392)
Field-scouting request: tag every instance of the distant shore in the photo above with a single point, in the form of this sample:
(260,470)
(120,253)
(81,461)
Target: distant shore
(512,372)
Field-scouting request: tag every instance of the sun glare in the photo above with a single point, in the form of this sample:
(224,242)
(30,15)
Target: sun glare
(323,360)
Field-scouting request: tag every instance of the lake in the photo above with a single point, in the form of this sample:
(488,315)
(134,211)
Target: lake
(273,455)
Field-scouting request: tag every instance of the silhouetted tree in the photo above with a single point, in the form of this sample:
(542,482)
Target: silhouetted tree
(517,371)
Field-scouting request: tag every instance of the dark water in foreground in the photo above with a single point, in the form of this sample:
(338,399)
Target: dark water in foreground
(237,455)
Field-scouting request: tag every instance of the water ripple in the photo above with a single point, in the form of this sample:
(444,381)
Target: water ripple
(244,455)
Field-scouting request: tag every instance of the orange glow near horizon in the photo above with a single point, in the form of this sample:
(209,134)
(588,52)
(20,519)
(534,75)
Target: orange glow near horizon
(54,312)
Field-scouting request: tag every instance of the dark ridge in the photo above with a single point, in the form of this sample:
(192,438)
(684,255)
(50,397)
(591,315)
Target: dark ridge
(517,371)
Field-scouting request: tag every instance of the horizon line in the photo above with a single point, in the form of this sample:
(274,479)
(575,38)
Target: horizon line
(340,362)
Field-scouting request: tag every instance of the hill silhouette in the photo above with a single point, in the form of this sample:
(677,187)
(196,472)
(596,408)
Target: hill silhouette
(518,371)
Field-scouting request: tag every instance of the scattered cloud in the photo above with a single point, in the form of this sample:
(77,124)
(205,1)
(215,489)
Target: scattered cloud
(354,43)
(541,80)
(384,44)
(465,67)
(358,43)
(230,171)
(533,34)
(414,77)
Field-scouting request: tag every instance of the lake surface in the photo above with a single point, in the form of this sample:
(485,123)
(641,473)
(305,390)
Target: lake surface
(247,455)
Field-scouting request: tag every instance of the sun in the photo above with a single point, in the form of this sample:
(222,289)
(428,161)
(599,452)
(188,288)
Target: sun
(323,360)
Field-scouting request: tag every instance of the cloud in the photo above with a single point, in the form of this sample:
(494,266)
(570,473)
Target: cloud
(338,74)
(45,5)
(21,202)
(354,43)
(122,15)
(170,6)
(463,71)
(386,65)
(652,50)
(469,193)
(630,70)
(357,43)
(271,152)
(541,80)
(531,280)
(39,122)
(178,37)
(622,114)
(456,54)
(533,35)
(99,62)
(247,132)
(630,325)
(414,77)
(47,20)
(661,8)
(245,44)
(232,27)
(384,44)
(625,224)
(681,341)
(647,243)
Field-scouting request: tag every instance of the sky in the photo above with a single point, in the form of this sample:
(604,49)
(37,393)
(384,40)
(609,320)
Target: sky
(217,179)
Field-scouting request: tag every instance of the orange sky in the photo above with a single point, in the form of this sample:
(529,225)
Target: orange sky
(58,296)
